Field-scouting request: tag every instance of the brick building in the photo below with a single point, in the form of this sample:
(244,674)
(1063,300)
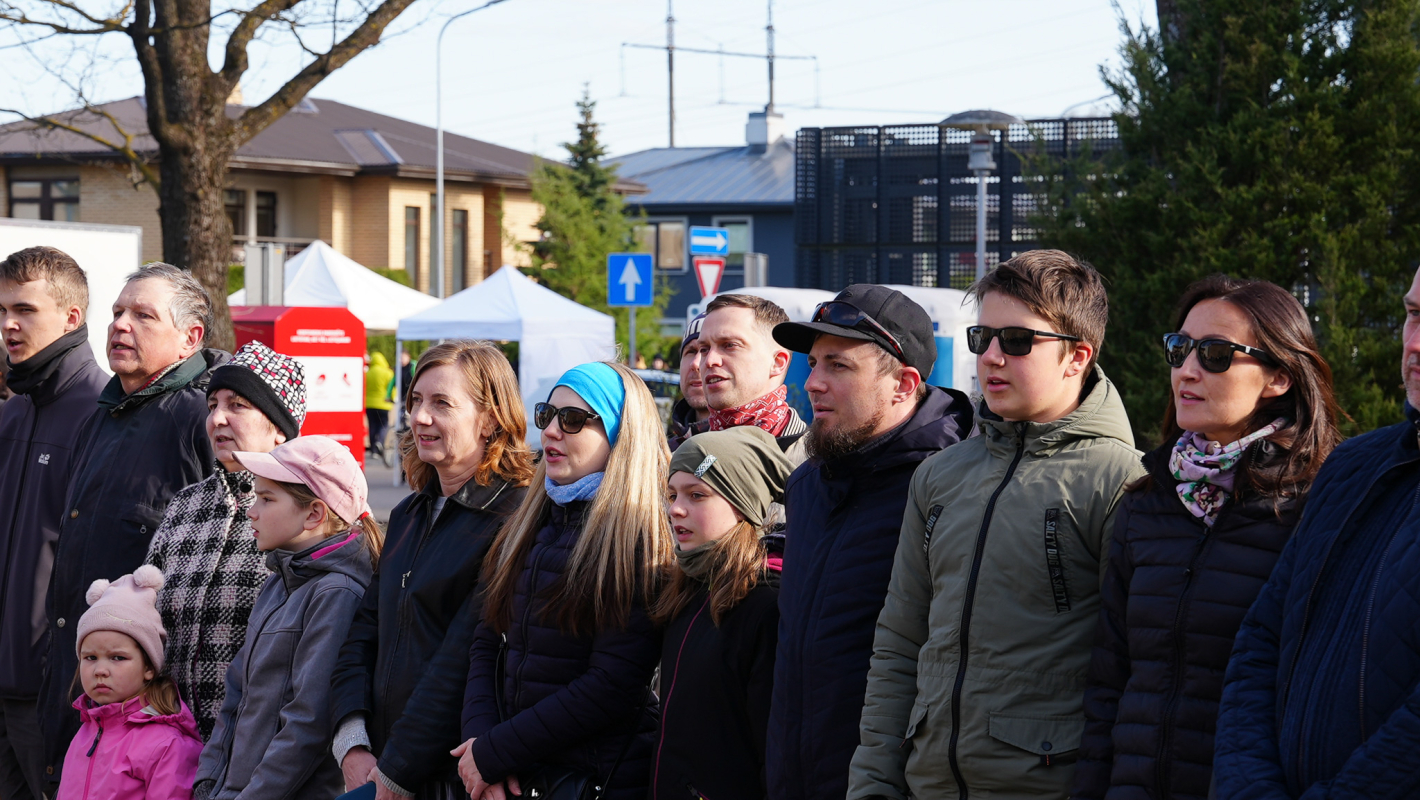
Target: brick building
(362,182)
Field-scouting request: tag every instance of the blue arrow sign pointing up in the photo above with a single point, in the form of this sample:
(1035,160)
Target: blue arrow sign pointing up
(709,241)
(628,279)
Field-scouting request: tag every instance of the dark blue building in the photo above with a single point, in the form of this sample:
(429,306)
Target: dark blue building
(748,190)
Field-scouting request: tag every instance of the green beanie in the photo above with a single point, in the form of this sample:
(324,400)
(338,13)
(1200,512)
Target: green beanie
(744,465)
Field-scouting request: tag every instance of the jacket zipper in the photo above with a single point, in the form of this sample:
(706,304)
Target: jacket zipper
(15,512)
(89,773)
(666,701)
(1161,777)
(967,604)
(1366,632)
(404,596)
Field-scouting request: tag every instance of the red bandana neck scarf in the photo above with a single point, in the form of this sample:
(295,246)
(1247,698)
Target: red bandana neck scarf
(769,412)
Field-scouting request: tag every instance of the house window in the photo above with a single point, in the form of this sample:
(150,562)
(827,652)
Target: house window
(265,213)
(460,243)
(665,241)
(236,202)
(741,239)
(411,243)
(50,198)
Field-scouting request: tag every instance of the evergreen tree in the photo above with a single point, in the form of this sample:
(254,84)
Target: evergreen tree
(1272,139)
(583,220)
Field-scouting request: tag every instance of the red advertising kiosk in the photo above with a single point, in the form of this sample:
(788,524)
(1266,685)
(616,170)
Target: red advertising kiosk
(330,344)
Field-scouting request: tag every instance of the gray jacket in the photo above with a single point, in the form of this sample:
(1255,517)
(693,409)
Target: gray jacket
(273,734)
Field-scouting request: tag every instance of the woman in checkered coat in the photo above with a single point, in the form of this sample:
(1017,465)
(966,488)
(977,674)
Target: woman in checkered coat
(205,545)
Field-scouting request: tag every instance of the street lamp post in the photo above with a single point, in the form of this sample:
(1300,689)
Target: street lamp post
(981,163)
(439,148)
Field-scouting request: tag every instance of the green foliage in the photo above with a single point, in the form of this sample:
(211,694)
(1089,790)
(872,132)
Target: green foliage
(1272,139)
(236,278)
(395,274)
(583,220)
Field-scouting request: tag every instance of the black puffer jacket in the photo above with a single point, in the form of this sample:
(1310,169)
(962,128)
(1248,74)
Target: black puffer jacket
(568,700)
(425,576)
(136,452)
(1174,597)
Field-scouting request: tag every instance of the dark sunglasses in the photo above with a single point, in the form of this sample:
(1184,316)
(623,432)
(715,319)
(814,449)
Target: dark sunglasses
(844,315)
(1014,341)
(1214,355)
(569,418)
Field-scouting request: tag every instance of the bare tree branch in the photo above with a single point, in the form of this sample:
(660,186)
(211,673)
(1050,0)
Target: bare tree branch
(136,159)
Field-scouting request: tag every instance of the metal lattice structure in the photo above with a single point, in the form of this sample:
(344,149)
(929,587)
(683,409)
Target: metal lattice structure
(897,204)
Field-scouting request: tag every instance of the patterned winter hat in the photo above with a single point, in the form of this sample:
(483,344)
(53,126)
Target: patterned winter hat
(274,383)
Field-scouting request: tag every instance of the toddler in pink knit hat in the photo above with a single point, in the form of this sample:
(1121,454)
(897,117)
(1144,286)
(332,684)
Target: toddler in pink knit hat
(138,739)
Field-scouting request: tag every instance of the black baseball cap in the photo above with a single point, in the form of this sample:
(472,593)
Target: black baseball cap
(891,310)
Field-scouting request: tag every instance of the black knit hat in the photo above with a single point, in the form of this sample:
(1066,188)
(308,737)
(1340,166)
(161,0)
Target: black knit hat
(274,383)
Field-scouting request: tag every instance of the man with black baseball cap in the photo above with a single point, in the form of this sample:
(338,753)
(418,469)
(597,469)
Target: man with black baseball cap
(691,413)
(871,350)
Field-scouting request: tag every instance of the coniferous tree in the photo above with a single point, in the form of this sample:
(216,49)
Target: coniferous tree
(583,220)
(1272,139)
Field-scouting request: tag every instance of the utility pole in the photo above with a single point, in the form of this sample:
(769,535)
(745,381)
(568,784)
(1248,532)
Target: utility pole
(769,56)
(670,67)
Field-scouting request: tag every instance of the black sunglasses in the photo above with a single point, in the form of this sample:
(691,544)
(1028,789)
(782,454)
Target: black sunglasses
(843,315)
(1014,341)
(569,418)
(1214,355)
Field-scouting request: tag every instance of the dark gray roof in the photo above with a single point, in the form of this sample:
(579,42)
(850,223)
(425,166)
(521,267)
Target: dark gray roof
(316,136)
(713,175)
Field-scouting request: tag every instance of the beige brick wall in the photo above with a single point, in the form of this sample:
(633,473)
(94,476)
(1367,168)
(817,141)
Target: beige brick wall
(406,193)
(107,196)
(370,231)
(520,216)
(336,212)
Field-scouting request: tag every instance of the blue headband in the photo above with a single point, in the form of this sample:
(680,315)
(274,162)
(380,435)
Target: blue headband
(601,387)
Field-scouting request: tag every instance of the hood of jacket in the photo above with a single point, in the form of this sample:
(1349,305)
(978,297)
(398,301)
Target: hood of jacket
(343,553)
(193,370)
(378,360)
(136,712)
(942,418)
(1100,415)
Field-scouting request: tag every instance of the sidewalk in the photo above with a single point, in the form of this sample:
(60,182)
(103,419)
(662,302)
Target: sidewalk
(384,496)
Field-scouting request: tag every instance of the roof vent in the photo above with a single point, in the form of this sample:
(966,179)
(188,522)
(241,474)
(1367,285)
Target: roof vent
(368,147)
(763,129)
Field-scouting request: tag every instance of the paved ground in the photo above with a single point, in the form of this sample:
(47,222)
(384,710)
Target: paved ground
(384,494)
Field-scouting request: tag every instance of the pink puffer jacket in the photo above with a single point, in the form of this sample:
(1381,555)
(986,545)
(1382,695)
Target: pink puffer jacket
(126,751)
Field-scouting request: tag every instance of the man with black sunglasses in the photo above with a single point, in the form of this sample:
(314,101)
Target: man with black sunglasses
(871,351)
(982,645)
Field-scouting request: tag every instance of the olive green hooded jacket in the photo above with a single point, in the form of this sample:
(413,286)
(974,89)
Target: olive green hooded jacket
(1003,546)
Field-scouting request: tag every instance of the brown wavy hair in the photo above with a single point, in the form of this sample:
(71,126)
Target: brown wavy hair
(625,544)
(494,388)
(1281,329)
(739,566)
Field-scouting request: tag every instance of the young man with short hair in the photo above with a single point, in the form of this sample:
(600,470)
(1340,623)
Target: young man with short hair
(871,351)
(981,650)
(742,369)
(44,297)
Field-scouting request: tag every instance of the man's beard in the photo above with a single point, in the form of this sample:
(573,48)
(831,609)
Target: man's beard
(834,444)
(1412,386)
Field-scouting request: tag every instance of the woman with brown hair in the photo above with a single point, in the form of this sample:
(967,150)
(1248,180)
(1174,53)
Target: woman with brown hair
(557,683)
(1250,419)
(467,460)
(721,607)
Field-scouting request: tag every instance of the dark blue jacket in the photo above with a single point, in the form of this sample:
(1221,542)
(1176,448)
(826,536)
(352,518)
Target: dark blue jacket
(38,437)
(568,700)
(1172,600)
(1275,743)
(844,520)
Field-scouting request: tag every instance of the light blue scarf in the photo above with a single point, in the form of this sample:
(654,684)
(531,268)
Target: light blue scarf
(582,489)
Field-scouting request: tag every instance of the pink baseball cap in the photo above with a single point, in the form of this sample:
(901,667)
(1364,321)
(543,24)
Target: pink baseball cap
(324,465)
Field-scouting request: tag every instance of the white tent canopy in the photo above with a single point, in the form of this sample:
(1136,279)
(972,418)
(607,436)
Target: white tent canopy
(554,333)
(321,276)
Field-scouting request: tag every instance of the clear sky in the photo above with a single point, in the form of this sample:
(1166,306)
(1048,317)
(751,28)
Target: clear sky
(513,72)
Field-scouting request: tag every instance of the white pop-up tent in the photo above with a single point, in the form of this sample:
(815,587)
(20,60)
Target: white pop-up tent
(554,333)
(321,276)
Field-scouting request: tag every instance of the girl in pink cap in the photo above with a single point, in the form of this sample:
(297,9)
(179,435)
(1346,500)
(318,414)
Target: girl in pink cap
(274,731)
(138,740)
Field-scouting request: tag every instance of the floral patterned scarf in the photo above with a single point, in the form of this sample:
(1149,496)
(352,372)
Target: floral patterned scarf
(1206,470)
(769,412)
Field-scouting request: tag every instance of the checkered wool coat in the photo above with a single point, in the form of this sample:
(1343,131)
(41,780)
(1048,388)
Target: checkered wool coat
(214,572)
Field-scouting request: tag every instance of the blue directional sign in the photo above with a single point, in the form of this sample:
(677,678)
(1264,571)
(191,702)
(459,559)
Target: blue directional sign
(709,241)
(628,279)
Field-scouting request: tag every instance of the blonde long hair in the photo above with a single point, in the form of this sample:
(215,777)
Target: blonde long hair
(625,544)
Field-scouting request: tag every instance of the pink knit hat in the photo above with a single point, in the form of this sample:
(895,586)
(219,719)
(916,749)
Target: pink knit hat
(128,605)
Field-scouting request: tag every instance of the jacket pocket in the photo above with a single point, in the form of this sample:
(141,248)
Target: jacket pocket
(915,720)
(1055,739)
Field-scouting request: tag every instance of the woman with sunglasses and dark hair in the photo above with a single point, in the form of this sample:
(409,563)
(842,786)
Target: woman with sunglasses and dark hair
(1251,417)
(560,664)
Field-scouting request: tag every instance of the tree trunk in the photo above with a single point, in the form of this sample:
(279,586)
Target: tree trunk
(196,232)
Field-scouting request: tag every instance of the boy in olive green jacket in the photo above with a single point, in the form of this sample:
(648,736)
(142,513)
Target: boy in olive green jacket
(979,660)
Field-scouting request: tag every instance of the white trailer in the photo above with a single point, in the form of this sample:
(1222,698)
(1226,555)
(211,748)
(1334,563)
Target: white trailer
(106,253)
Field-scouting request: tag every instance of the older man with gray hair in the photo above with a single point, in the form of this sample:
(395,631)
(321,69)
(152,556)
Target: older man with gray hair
(146,440)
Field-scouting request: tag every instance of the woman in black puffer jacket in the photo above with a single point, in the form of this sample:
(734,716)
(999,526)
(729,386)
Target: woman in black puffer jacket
(1245,432)
(560,665)
(466,455)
